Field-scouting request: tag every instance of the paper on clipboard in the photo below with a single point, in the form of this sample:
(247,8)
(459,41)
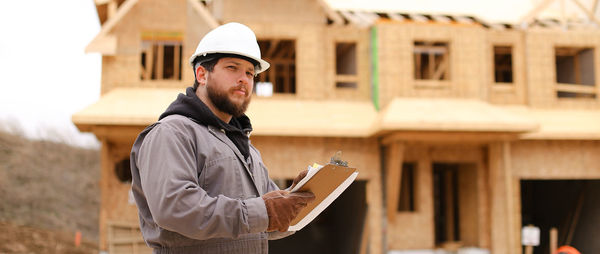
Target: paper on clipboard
(327,183)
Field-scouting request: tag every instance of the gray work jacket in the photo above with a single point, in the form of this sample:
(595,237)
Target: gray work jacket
(196,193)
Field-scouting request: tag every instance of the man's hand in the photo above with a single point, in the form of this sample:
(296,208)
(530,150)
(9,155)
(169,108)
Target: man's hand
(283,207)
(298,178)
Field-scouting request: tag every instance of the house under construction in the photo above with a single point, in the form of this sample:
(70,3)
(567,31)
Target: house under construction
(463,131)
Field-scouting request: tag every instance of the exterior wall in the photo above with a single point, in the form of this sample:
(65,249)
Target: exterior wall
(361,37)
(115,206)
(514,93)
(546,159)
(310,60)
(396,68)
(415,230)
(285,161)
(123,69)
(541,69)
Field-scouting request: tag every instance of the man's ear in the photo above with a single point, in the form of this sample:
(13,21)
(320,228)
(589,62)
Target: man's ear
(201,75)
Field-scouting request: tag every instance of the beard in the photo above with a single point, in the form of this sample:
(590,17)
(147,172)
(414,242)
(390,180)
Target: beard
(221,100)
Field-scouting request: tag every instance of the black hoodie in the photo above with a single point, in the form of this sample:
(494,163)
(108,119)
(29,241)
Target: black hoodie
(189,105)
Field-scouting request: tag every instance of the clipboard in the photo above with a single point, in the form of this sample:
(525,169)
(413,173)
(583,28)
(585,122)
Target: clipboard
(327,183)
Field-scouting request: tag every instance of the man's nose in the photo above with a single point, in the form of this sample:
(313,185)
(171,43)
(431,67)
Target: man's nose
(243,79)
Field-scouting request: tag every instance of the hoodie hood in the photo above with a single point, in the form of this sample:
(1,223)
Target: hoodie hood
(189,105)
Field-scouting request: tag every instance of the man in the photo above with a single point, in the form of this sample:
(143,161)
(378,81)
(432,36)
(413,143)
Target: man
(199,185)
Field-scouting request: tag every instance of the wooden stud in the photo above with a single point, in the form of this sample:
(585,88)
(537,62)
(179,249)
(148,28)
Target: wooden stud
(441,69)
(450,202)
(553,240)
(160,60)
(431,65)
(332,14)
(364,239)
(535,11)
(273,46)
(576,88)
(149,62)
(112,9)
(587,12)
(508,181)
(346,78)
(393,171)
(204,13)
(176,61)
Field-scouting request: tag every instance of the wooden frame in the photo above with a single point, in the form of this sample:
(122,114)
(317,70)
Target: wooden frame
(153,52)
(281,54)
(348,75)
(437,55)
(578,88)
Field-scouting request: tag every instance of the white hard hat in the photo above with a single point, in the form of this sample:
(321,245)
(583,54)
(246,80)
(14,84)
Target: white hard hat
(231,38)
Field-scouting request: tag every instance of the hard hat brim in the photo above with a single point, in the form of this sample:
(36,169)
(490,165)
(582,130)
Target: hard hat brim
(263,65)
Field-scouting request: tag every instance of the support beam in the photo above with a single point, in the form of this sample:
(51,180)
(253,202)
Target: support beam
(587,12)
(531,14)
(393,172)
(204,13)
(112,8)
(334,16)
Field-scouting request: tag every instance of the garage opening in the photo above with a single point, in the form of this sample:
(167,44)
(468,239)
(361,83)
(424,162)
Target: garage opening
(337,230)
(571,206)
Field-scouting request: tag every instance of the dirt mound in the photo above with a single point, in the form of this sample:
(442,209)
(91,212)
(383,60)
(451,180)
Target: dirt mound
(22,239)
(47,187)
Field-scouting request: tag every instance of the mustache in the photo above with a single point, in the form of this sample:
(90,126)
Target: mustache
(239,87)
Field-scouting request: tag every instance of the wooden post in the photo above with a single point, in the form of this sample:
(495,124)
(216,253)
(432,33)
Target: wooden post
(393,172)
(176,61)
(160,60)
(553,240)
(112,8)
(529,249)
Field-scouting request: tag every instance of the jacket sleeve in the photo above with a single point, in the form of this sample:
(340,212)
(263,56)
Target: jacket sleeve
(169,178)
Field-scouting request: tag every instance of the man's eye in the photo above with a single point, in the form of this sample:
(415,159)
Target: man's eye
(250,74)
(231,67)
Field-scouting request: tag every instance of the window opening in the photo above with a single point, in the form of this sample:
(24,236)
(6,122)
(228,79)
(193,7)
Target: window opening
(161,56)
(406,199)
(431,60)
(123,170)
(281,54)
(575,75)
(503,70)
(345,65)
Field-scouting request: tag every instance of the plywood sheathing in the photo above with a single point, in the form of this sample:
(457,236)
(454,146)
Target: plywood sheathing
(515,92)
(396,69)
(545,159)
(104,40)
(420,114)
(349,34)
(415,230)
(284,162)
(560,124)
(114,195)
(541,71)
(504,195)
(123,69)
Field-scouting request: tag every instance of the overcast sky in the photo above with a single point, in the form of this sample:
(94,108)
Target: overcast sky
(45,75)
